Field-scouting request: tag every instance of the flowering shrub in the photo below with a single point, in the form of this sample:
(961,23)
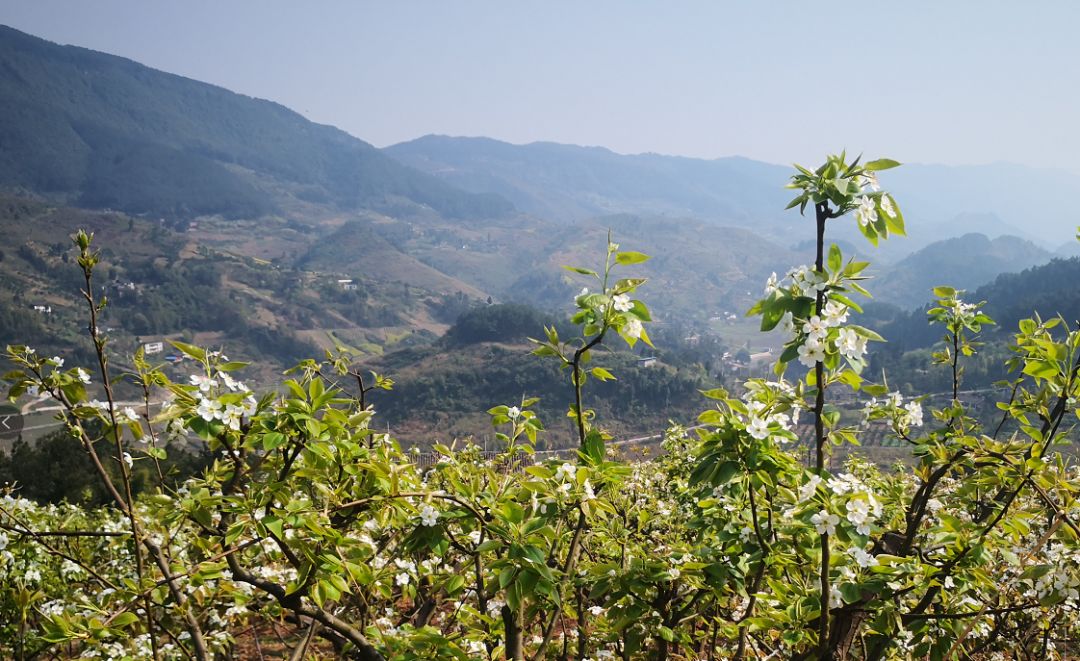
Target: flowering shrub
(726,546)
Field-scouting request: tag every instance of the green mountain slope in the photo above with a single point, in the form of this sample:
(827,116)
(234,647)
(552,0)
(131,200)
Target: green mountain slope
(1048,290)
(964,262)
(102,131)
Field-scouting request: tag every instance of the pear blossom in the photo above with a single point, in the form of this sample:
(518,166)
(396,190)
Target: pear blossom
(787,324)
(205,383)
(622,303)
(866,213)
(633,328)
(209,409)
(566,471)
(811,353)
(758,428)
(862,558)
(834,313)
(850,344)
(771,285)
(815,327)
(513,412)
(428,516)
(887,206)
(82,375)
(913,414)
(825,522)
(807,490)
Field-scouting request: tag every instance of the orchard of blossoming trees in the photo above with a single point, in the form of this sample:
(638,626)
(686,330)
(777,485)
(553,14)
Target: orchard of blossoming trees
(725,547)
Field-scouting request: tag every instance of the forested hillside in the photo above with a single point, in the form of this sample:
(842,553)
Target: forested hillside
(102,131)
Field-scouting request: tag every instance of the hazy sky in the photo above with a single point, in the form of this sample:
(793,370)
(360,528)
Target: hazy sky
(950,82)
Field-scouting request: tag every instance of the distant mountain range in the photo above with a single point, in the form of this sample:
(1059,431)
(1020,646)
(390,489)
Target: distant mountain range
(964,262)
(568,183)
(101,131)
(470,217)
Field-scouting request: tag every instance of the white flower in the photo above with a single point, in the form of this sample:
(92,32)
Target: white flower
(835,313)
(887,206)
(814,326)
(851,344)
(204,383)
(622,303)
(129,414)
(867,211)
(861,557)
(810,488)
(428,516)
(209,409)
(128,459)
(231,417)
(858,513)
(771,285)
(758,428)
(495,606)
(811,353)
(565,472)
(596,611)
(3,540)
(868,180)
(402,579)
(56,361)
(673,574)
(787,324)
(513,412)
(835,598)
(913,415)
(82,375)
(633,328)
(824,522)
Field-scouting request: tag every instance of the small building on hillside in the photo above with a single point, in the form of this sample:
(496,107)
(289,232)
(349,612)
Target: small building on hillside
(150,348)
(647,361)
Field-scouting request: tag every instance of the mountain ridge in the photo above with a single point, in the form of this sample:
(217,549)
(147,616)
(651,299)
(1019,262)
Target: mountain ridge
(105,131)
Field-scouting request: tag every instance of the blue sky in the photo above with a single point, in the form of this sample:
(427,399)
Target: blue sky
(949,82)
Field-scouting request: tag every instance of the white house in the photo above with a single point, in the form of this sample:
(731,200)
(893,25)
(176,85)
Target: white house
(151,348)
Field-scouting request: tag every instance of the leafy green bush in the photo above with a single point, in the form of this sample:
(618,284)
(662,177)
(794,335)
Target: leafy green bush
(727,546)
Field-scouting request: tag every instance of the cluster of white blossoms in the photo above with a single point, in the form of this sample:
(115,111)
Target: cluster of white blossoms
(848,342)
(210,409)
(892,406)
(801,281)
(762,421)
(1061,579)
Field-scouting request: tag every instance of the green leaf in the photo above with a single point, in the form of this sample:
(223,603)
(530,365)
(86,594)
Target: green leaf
(578,269)
(836,260)
(190,350)
(631,257)
(602,374)
(881,164)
